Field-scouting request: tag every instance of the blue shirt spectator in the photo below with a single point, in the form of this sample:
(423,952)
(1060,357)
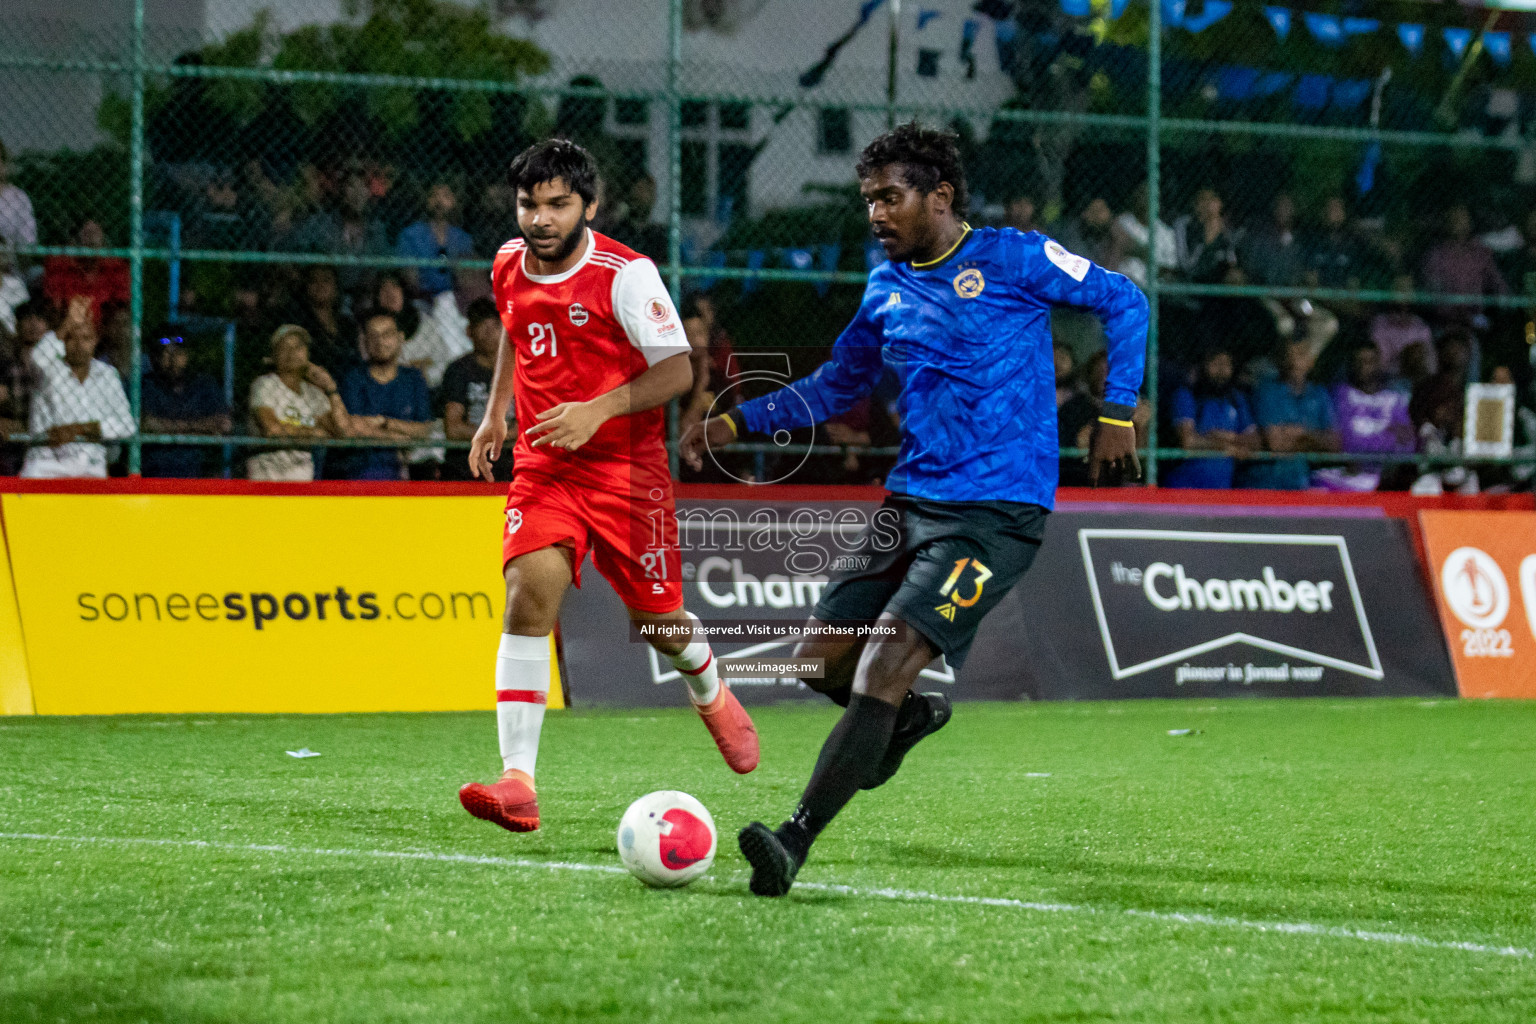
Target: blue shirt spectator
(351,229)
(1293,415)
(176,401)
(1212,415)
(384,400)
(435,238)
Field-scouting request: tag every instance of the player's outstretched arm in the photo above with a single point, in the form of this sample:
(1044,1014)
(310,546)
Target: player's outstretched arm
(1065,279)
(570,425)
(839,383)
(714,432)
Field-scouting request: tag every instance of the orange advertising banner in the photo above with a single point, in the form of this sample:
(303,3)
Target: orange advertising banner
(1483,570)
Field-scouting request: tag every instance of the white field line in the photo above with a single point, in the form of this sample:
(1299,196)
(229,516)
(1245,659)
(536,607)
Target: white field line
(902,895)
(442,858)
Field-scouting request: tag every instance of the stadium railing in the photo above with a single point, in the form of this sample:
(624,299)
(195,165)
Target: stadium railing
(1101,97)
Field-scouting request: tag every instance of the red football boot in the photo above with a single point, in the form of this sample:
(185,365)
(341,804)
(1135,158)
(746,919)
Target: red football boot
(510,803)
(732,728)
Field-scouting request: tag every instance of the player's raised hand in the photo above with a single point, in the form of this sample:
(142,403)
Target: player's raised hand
(714,432)
(485,447)
(568,425)
(1112,445)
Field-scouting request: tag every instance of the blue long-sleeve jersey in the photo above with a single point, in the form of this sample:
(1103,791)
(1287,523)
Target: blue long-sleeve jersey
(969,339)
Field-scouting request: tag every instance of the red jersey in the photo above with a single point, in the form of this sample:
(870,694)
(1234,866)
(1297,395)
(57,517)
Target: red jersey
(578,335)
(101,280)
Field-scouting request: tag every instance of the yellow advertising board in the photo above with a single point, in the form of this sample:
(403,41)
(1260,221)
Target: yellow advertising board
(15,684)
(175,603)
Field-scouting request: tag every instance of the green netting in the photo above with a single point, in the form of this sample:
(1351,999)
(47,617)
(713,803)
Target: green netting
(1319,176)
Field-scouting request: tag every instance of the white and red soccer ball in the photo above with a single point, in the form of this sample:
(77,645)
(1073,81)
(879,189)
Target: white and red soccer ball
(667,839)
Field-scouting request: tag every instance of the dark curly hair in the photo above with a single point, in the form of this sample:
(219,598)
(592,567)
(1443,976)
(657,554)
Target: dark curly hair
(927,156)
(551,159)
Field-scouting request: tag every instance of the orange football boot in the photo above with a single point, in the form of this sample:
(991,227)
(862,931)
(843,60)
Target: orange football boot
(732,728)
(510,802)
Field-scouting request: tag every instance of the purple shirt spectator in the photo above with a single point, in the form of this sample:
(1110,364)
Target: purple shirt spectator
(1394,331)
(1372,422)
(1371,418)
(1461,265)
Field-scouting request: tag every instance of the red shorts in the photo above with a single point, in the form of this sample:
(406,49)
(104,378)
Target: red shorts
(633,538)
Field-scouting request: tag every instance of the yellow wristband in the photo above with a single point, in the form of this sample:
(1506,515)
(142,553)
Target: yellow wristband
(1116,423)
(732,424)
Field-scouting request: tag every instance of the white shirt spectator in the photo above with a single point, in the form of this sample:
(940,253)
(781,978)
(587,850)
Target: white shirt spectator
(1504,241)
(1167,250)
(453,334)
(302,408)
(442,337)
(13,292)
(48,356)
(17,224)
(429,350)
(63,398)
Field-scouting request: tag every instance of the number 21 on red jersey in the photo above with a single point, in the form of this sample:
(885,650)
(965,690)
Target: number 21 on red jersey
(542,337)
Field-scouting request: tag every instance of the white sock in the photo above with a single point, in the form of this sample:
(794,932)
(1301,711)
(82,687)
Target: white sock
(697,664)
(522,687)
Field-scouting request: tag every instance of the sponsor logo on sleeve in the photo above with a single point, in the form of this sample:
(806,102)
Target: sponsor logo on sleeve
(1164,597)
(657,309)
(1074,266)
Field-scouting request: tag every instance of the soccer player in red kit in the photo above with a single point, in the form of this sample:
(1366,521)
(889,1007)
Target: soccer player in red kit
(593,353)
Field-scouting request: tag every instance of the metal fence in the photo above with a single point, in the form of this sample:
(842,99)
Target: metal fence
(254,168)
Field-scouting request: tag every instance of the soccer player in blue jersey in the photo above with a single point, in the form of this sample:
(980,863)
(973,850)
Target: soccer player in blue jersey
(962,315)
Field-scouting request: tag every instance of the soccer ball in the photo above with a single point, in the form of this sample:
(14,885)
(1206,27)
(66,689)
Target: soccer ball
(667,839)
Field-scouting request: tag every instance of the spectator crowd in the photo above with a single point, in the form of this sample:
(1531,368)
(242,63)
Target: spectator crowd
(1248,387)
(1262,382)
(320,351)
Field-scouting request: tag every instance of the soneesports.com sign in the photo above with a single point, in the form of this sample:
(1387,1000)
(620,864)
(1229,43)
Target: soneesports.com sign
(1164,597)
(249,603)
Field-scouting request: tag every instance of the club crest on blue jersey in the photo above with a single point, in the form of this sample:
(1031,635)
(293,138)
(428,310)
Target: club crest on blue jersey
(969,283)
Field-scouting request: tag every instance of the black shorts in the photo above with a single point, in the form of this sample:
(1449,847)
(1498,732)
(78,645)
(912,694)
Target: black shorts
(939,566)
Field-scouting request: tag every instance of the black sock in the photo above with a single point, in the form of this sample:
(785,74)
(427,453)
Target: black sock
(795,835)
(854,748)
(840,695)
(913,715)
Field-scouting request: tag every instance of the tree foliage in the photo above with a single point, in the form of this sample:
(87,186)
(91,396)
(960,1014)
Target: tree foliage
(406,38)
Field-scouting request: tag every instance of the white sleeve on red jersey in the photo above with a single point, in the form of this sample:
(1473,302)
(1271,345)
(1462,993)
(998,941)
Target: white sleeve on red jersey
(501,282)
(643,307)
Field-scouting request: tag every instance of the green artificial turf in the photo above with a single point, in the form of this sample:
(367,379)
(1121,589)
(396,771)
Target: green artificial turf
(1405,816)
